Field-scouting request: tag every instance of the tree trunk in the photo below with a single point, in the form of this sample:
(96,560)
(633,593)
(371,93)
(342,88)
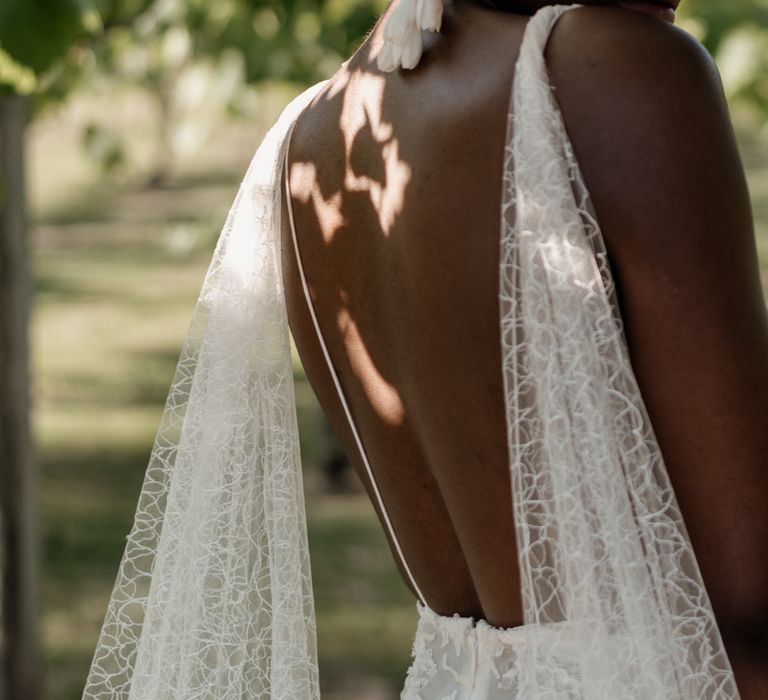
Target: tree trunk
(19,548)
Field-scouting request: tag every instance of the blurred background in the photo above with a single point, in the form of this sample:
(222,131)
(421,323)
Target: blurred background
(125,128)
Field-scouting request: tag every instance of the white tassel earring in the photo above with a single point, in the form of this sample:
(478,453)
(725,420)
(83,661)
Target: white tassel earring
(402,32)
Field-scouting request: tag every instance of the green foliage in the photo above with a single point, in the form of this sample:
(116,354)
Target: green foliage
(173,49)
(34,34)
(719,19)
(736,34)
(297,40)
(14,76)
(177,48)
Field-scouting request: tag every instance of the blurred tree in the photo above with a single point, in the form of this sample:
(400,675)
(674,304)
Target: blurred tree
(185,53)
(192,54)
(33,36)
(19,645)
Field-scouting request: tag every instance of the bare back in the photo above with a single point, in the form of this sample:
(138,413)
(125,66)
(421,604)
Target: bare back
(396,188)
(403,267)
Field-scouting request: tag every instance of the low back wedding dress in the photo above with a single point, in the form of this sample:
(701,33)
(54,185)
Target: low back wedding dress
(213,598)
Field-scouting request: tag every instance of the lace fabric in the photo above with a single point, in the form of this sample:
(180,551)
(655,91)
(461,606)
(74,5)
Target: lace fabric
(460,658)
(213,598)
(601,540)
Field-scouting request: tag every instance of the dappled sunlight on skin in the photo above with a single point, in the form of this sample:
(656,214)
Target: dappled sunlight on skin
(384,184)
(389,250)
(369,186)
(387,195)
(332,219)
(384,398)
(350,182)
(375,184)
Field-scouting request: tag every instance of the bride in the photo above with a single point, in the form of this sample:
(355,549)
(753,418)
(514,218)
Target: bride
(517,259)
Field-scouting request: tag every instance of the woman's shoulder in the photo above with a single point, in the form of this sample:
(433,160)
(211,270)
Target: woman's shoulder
(644,107)
(619,49)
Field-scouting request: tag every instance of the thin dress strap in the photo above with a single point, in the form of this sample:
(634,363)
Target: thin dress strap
(336,382)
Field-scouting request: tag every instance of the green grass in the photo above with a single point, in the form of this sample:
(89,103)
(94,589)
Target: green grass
(117,272)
